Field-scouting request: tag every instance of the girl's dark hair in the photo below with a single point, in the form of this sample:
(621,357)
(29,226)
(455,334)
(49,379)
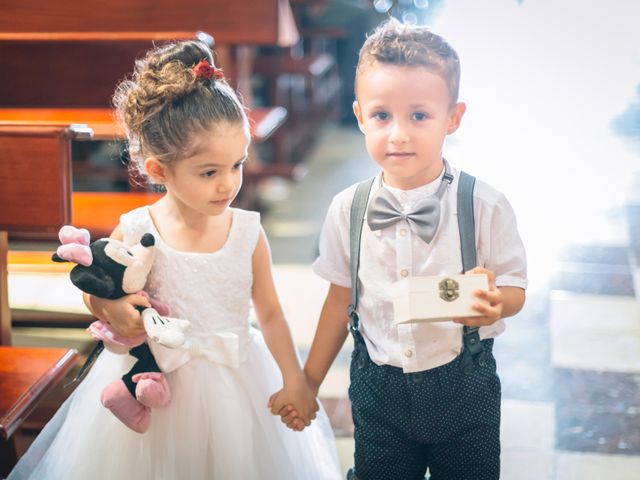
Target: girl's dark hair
(164,104)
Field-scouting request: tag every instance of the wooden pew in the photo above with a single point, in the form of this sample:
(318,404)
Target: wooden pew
(35,188)
(309,88)
(304,78)
(99,211)
(264,121)
(86,51)
(266,22)
(103,38)
(26,376)
(79,90)
(35,175)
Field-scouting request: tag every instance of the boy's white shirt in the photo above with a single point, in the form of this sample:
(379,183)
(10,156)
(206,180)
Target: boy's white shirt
(388,255)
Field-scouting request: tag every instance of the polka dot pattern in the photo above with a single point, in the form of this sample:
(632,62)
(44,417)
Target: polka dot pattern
(442,419)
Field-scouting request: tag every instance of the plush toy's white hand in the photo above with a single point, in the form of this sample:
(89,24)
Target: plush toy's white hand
(166,331)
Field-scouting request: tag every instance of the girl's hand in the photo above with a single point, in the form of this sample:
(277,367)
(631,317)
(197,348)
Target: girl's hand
(288,414)
(492,312)
(291,419)
(120,314)
(296,399)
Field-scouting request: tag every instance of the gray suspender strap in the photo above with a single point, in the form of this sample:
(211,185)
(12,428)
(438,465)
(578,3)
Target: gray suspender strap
(466,221)
(358,207)
(467,229)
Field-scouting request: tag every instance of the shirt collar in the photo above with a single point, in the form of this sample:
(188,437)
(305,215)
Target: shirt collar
(408,197)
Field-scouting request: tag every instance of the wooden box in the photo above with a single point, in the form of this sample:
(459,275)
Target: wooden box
(436,298)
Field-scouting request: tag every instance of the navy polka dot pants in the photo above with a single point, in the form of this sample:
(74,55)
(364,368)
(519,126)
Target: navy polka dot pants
(441,419)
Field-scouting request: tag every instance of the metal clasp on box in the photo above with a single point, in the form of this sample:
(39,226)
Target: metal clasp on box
(449,289)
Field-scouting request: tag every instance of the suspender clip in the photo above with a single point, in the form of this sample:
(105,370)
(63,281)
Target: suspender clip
(353,323)
(472,343)
(353,318)
(472,353)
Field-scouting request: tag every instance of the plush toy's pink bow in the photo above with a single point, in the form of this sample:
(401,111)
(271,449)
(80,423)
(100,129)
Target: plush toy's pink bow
(75,245)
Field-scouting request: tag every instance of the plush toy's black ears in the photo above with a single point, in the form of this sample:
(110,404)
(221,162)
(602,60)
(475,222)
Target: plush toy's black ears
(58,259)
(93,281)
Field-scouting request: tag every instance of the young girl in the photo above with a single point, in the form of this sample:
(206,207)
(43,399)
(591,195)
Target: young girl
(190,133)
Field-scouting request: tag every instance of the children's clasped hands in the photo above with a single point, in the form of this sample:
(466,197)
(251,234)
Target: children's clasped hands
(296,403)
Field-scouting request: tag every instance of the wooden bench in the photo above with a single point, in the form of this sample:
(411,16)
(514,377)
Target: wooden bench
(246,22)
(264,121)
(99,211)
(35,175)
(35,189)
(69,41)
(26,376)
(304,78)
(87,51)
(319,72)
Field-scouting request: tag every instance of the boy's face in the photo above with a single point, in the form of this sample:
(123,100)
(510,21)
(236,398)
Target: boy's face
(405,115)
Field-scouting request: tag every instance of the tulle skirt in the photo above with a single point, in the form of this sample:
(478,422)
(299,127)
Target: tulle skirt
(218,426)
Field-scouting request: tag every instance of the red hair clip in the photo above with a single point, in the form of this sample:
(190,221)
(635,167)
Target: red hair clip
(204,71)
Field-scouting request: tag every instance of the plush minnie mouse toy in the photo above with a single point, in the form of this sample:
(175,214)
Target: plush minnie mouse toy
(107,268)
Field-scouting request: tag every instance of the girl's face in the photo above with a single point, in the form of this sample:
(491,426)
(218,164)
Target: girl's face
(209,179)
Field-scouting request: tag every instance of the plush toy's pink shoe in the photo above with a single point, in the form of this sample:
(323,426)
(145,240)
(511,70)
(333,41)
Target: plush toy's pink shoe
(127,409)
(152,389)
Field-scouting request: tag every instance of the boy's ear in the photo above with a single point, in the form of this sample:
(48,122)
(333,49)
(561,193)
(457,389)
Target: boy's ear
(455,117)
(155,169)
(358,113)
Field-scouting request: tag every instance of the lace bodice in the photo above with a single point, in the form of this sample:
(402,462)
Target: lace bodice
(211,290)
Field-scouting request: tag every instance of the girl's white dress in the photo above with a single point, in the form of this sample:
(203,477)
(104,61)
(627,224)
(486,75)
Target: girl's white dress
(218,425)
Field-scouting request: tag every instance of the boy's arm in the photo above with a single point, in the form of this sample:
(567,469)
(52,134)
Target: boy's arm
(512,300)
(121,314)
(330,335)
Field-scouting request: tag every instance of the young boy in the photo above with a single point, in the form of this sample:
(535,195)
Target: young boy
(416,404)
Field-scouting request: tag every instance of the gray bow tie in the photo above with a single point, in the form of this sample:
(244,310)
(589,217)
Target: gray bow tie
(384,210)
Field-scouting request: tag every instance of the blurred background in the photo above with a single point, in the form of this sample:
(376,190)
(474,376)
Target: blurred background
(552,89)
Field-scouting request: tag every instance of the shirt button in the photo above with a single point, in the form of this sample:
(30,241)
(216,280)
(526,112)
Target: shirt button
(403,195)
(408,353)
(403,232)
(404,272)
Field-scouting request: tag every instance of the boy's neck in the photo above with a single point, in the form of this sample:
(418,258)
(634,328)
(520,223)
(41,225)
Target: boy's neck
(419,180)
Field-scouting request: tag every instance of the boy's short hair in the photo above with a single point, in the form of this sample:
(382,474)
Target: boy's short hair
(394,43)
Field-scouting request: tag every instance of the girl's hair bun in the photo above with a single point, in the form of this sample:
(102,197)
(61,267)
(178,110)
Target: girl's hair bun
(175,91)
